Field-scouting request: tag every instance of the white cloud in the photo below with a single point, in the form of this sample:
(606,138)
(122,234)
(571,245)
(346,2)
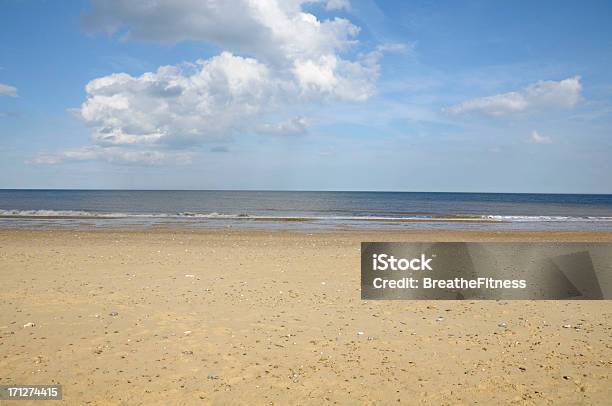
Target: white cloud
(6,90)
(270,30)
(538,96)
(276,57)
(338,5)
(398,47)
(177,105)
(537,138)
(113,155)
(295,126)
(210,100)
(290,58)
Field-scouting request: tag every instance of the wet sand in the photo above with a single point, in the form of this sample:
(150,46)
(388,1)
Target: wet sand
(260,317)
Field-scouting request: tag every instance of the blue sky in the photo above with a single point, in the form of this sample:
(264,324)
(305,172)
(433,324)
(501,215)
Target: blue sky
(483,96)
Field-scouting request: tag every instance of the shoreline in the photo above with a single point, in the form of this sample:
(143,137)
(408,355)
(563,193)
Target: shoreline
(301,227)
(421,235)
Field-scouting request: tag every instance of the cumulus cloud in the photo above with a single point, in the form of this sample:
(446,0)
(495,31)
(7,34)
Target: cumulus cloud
(212,98)
(537,138)
(275,55)
(6,90)
(113,155)
(295,126)
(538,96)
(178,105)
(270,30)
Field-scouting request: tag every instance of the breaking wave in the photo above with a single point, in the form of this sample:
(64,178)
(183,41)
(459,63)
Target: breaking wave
(78,214)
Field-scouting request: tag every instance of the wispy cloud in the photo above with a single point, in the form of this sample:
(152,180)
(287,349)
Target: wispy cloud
(295,126)
(113,155)
(6,90)
(537,138)
(537,96)
(337,4)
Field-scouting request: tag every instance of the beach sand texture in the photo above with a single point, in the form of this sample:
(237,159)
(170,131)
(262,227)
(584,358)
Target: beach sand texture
(264,317)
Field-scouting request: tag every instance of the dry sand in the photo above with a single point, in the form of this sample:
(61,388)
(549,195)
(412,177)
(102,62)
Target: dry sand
(254,317)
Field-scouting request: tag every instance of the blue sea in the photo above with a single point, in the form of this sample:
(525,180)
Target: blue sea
(303,210)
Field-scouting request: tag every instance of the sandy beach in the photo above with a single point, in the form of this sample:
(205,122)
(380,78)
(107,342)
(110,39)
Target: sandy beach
(275,317)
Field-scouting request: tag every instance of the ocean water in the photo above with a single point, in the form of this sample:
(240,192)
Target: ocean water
(303,210)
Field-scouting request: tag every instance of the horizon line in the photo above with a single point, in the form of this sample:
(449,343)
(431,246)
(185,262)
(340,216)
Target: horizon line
(295,191)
